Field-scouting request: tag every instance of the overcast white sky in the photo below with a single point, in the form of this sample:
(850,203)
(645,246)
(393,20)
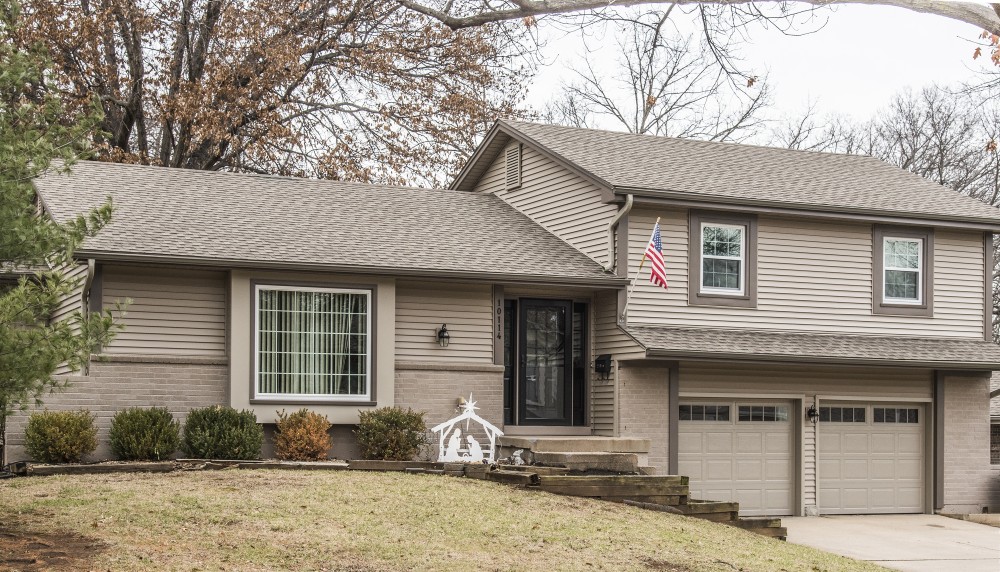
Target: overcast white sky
(852,66)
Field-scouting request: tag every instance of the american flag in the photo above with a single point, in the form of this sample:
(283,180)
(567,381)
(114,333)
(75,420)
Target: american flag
(654,252)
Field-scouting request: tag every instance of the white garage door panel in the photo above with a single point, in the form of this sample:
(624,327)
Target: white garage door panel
(749,461)
(868,466)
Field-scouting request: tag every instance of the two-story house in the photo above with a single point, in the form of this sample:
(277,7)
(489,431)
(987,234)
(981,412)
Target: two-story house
(823,345)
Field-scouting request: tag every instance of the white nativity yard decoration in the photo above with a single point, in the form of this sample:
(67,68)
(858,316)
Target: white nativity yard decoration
(467,450)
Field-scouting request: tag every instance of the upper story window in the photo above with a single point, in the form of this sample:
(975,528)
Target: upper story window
(312,344)
(903,271)
(902,259)
(723,260)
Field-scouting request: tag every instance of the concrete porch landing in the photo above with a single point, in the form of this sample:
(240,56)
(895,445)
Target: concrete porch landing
(581,453)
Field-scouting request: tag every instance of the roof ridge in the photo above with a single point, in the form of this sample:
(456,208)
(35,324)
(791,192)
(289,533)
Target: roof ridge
(692,141)
(186,171)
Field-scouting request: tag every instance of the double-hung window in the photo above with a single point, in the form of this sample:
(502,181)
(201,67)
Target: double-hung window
(723,259)
(903,271)
(312,344)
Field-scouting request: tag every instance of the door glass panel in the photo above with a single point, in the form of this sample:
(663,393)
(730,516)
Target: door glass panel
(545,362)
(509,363)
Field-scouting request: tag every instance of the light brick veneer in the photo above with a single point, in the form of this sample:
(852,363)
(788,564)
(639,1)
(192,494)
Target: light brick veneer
(179,384)
(436,387)
(644,407)
(970,483)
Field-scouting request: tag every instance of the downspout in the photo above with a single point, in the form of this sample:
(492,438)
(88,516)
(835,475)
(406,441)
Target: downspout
(612,227)
(91,271)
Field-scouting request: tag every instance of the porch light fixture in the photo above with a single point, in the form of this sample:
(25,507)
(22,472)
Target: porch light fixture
(811,413)
(443,337)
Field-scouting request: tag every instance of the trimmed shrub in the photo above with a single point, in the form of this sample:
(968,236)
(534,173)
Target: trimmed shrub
(222,433)
(144,434)
(391,433)
(302,436)
(60,436)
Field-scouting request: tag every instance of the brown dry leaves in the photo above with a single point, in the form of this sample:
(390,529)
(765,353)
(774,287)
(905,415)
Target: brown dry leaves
(345,89)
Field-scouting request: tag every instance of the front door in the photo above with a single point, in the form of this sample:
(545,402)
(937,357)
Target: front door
(546,362)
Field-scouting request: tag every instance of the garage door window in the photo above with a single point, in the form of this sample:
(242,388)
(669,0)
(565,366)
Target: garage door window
(895,415)
(842,414)
(763,413)
(704,413)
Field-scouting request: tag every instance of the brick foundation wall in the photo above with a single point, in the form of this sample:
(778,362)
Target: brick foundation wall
(435,388)
(643,408)
(179,384)
(970,483)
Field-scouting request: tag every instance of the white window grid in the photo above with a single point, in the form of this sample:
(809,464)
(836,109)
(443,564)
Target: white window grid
(741,258)
(364,377)
(919,271)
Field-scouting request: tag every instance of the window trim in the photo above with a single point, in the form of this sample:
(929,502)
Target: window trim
(369,398)
(897,307)
(742,258)
(697,220)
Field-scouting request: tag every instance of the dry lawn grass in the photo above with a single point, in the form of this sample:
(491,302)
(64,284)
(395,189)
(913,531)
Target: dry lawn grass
(352,520)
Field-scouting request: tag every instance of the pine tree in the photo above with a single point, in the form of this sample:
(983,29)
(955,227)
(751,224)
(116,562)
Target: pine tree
(36,136)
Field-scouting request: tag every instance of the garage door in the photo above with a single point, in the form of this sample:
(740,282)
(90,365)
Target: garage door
(871,458)
(739,451)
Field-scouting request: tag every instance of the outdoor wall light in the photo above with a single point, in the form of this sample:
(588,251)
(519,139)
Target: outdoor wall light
(443,337)
(811,413)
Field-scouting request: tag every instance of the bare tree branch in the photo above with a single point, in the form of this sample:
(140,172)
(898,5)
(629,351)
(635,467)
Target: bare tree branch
(465,15)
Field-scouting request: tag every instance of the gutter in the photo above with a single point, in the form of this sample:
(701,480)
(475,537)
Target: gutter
(777,358)
(697,200)
(224,263)
(612,227)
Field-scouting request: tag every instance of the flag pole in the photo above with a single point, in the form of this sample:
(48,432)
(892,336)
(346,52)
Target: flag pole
(631,287)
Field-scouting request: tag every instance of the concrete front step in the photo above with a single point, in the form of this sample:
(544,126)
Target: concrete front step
(610,462)
(582,444)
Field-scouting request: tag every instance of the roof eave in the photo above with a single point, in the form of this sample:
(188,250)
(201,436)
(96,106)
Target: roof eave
(477,156)
(535,279)
(677,198)
(502,127)
(784,358)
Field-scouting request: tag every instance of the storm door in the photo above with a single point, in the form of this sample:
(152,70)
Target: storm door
(546,362)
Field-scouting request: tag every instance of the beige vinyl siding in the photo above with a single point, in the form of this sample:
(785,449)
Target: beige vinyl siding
(73,303)
(608,339)
(562,202)
(808,463)
(173,311)
(722,377)
(812,276)
(421,308)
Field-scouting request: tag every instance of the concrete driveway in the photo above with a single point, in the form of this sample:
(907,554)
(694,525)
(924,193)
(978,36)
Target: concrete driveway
(913,542)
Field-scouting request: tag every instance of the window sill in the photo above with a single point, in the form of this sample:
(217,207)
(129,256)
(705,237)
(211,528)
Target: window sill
(321,402)
(920,310)
(722,300)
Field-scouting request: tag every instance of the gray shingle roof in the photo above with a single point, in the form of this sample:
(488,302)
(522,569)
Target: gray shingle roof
(752,175)
(818,348)
(253,220)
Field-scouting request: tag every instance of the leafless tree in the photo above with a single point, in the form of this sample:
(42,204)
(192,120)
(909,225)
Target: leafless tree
(470,13)
(666,83)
